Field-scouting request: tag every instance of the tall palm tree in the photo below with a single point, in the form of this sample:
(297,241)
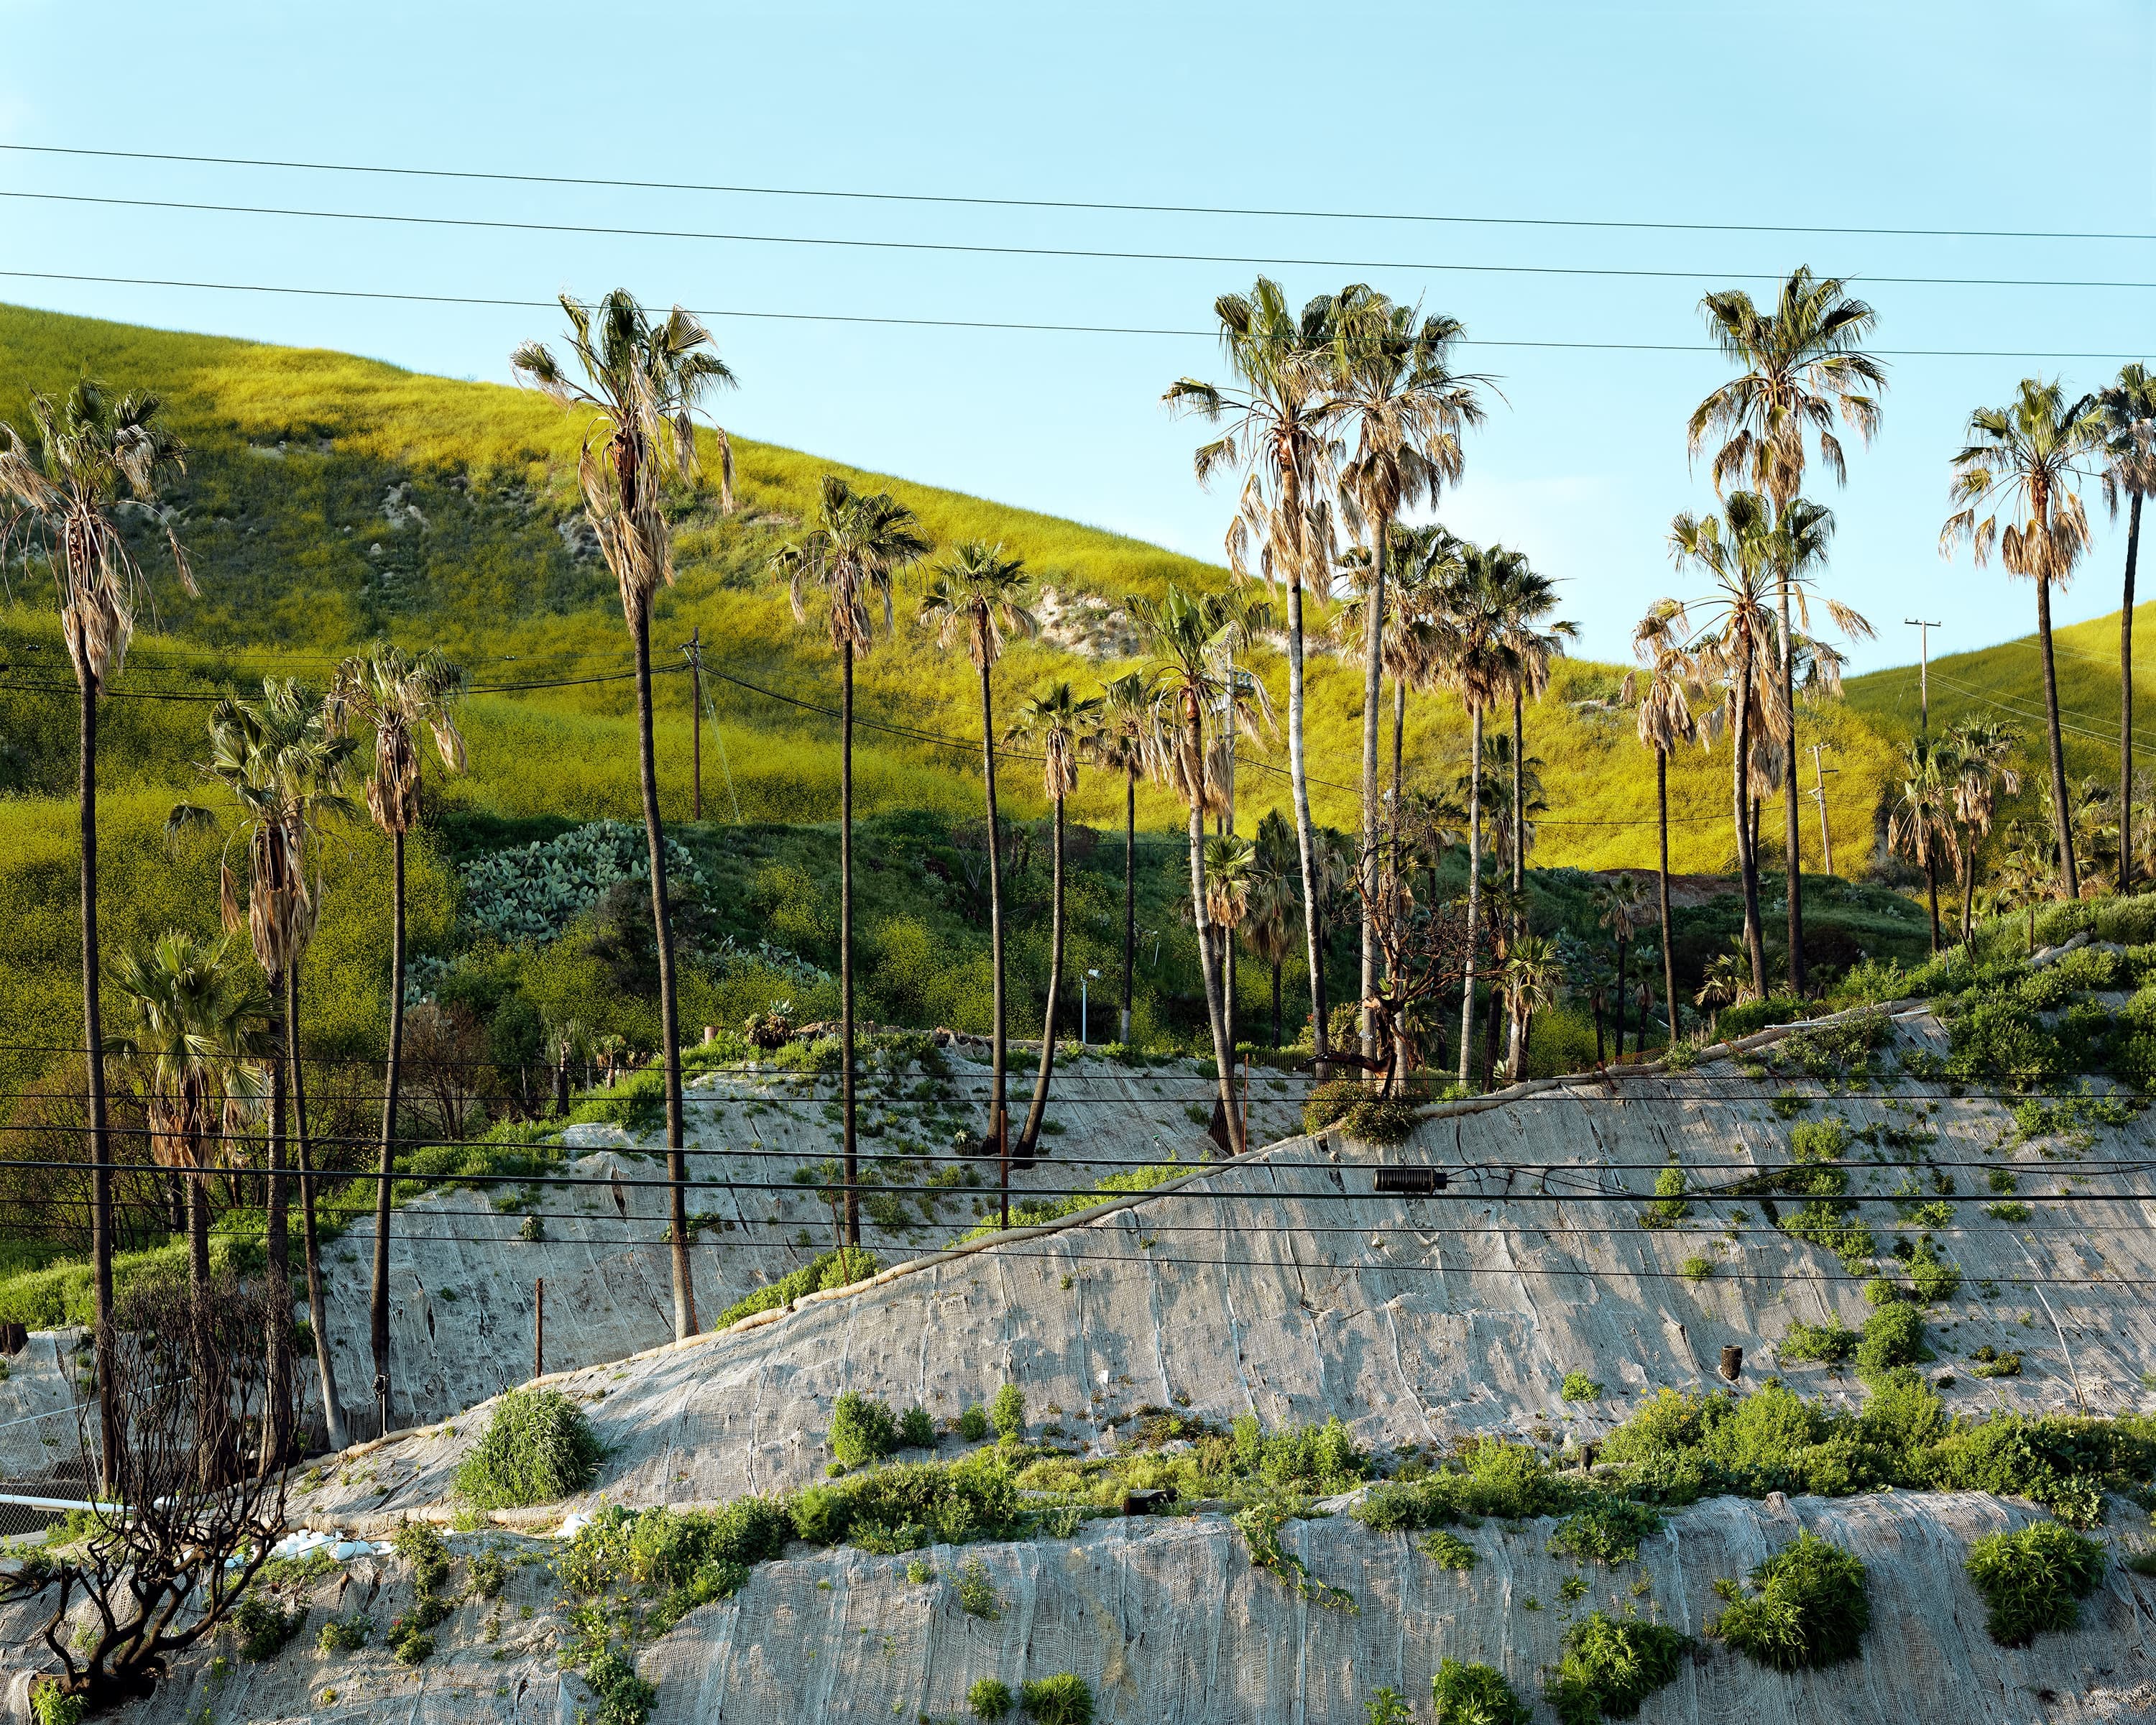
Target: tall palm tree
(1801,363)
(1396,393)
(1184,635)
(1984,755)
(1534,970)
(1475,659)
(642,382)
(2129,422)
(61,485)
(1666,720)
(861,540)
(1126,740)
(395,696)
(1920,822)
(1279,416)
(284,764)
(1055,721)
(2026,459)
(1269,927)
(979,592)
(192,1026)
(1618,904)
(1232,872)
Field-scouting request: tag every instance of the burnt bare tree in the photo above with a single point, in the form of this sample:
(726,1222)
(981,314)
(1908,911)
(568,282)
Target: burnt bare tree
(171,1552)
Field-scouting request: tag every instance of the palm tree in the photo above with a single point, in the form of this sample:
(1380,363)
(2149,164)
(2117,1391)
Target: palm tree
(1269,923)
(1280,417)
(1393,387)
(1728,981)
(1232,873)
(1056,722)
(1618,901)
(1800,364)
(1474,658)
(1982,755)
(979,592)
(62,485)
(643,383)
(1533,971)
(284,764)
(1921,820)
(1666,720)
(2028,868)
(2129,419)
(1185,636)
(1126,740)
(395,694)
(861,540)
(1746,551)
(193,1028)
(2027,458)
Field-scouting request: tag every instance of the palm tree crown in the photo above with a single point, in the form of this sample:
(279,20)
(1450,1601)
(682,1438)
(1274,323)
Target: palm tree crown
(860,541)
(979,592)
(2024,461)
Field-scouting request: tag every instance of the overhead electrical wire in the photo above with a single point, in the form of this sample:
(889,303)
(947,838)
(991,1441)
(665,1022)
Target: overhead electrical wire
(1067,204)
(1085,253)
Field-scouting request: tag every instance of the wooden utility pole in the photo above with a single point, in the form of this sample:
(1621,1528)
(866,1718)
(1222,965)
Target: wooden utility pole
(539,1327)
(1819,796)
(697,719)
(1923,629)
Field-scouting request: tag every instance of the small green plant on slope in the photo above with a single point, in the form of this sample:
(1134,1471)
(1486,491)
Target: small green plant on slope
(263,1628)
(538,1448)
(1579,1387)
(1670,1206)
(346,1635)
(973,1423)
(624,1697)
(1007,1412)
(862,1430)
(1809,1607)
(1466,1694)
(1610,1664)
(1606,1529)
(1064,1699)
(989,1698)
(977,1594)
(1449,1551)
(2033,1581)
(1388,1707)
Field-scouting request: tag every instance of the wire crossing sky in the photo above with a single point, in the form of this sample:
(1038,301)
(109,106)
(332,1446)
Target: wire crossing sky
(1021,220)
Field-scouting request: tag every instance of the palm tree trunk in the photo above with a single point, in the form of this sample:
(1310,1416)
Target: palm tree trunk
(1620,998)
(2126,700)
(93,1041)
(1373,688)
(1515,1047)
(205,1367)
(1474,886)
(1931,892)
(1400,727)
(1968,890)
(846,955)
(1131,901)
(1748,861)
(1662,811)
(379,1299)
(669,1017)
(1276,1005)
(1222,1059)
(997,1126)
(1039,1106)
(309,1239)
(2068,875)
(277,1244)
(1305,840)
(1792,837)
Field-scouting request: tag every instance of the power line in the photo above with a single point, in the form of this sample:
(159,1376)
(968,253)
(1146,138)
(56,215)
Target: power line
(968,323)
(1067,204)
(1091,254)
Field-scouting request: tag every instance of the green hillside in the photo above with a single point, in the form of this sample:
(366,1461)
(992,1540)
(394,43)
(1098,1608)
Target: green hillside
(329,500)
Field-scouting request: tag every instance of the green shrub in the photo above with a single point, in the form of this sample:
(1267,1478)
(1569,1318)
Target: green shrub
(1810,1608)
(1669,1207)
(977,1594)
(1476,1695)
(1007,1412)
(263,1628)
(624,1697)
(1611,1665)
(837,1268)
(2033,1580)
(973,1423)
(1448,1551)
(1606,1529)
(538,1448)
(1893,1336)
(1326,1102)
(489,1573)
(1696,1270)
(421,1547)
(346,1635)
(1829,1344)
(1064,1699)
(1388,1707)
(862,1430)
(51,1705)
(989,1698)
(1579,1387)
(916,1429)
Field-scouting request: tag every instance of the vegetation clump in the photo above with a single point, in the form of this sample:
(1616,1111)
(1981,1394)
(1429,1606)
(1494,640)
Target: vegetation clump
(2034,1580)
(1809,1607)
(862,1430)
(1579,1387)
(1464,1694)
(1064,1699)
(1007,1412)
(838,1268)
(989,1698)
(1610,1664)
(538,1448)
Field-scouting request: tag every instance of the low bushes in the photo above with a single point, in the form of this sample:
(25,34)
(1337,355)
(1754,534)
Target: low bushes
(538,1448)
(832,1270)
(1064,1699)
(1360,1111)
(1610,1664)
(2033,1580)
(1809,1607)
(1464,1694)
(862,1430)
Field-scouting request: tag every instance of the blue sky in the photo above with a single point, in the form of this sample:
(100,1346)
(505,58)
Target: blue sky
(1964,116)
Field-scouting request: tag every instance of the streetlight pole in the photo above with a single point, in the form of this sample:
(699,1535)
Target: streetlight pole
(1923,629)
(1819,796)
